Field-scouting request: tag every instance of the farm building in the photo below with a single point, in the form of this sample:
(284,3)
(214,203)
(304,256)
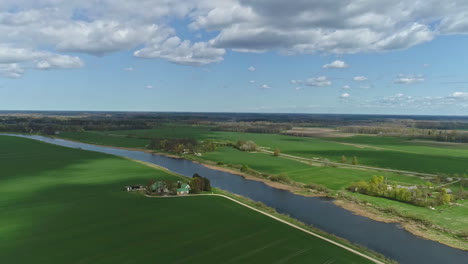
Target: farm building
(134,188)
(184,189)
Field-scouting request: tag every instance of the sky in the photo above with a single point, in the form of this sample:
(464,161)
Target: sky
(295,56)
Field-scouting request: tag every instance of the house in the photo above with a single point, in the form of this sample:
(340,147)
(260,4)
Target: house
(184,189)
(133,188)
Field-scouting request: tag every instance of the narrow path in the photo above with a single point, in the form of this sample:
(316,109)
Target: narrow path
(280,220)
(301,159)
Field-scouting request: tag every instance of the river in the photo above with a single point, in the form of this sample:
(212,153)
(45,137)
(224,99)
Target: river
(388,239)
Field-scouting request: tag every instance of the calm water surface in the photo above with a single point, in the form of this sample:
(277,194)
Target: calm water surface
(388,239)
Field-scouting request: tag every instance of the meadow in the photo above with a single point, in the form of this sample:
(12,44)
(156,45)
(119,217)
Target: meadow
(330,177)
(62,205)
(382,152)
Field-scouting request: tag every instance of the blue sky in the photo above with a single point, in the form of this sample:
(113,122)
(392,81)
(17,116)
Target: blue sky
(235,56)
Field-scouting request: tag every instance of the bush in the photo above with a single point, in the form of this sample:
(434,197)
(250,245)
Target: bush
(282,177)
(317,187)
(244,168)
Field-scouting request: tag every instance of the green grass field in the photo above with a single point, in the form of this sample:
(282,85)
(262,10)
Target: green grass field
(383,152)
(63,205)
(332,178)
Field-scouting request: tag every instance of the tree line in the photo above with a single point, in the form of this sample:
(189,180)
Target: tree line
(457,136)
(199,184)
(417,195)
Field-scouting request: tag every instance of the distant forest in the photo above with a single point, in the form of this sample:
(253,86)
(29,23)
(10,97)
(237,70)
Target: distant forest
(440,128)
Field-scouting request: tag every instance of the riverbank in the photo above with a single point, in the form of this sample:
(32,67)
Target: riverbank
(277,185)
(423,230)
(431,232)
(419,229)
(398,243)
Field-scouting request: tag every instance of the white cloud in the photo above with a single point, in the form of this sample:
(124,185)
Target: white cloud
(408,79)
(182,52)
(340,26)
(265,86)
(149,86)
(296,81)
(338,64)
(318,81)
(100,27)
(59,61)
(15,59)
(360,78)
(426,65)
(344,95)
(129,69)
(460,95)
(252,81)
(251,68)
(11,70)
(346,87)
(456,23)
(401,101)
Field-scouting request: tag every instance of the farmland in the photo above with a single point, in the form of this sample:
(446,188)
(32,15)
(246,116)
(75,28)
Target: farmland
(382,152)
(65,205)
(330,177)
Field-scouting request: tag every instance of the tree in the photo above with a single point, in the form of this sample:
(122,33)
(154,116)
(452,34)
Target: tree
(247,146)
(344,159)
(179,149)
(444,197)
(355,161)
(277,152)
(199,183)
(207,185)
(196,185)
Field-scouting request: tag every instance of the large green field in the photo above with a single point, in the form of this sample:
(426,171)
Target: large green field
(63,205)
(332,178)
(383,152)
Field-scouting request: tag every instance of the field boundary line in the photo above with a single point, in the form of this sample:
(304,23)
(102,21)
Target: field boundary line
(342,165)
(282,221)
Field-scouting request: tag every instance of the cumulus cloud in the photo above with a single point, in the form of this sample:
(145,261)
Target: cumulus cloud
(14,60)
(100,27)
(340,26)
(346,87)
(129,69)
(149,86)
(59,61)
(459,95)
(338,64)
(360,78)
(265,86)
(408,79)
(11,70)
(318,81)
(252,68)
(402,101)
(252,81)
(182,52)
(345,96)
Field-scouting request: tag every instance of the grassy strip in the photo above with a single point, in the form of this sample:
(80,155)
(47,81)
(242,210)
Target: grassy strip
(262,207)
